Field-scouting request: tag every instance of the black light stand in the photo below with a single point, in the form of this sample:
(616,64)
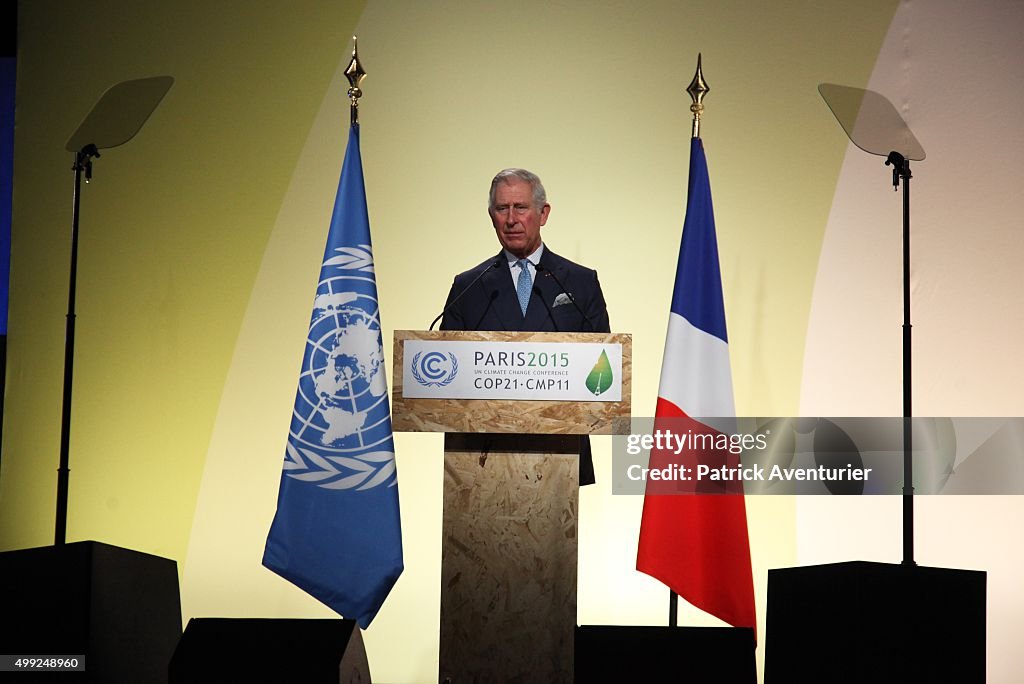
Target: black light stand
(114,120)
(83,165)
(874,125)
(901,171)
(89,598)
(889,619)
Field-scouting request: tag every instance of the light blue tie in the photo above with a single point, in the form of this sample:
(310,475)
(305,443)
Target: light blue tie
(523,284)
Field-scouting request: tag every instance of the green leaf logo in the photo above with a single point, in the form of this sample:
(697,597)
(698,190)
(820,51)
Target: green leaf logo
(600,377)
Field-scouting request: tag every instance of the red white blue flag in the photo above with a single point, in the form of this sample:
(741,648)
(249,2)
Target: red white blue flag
(697,543)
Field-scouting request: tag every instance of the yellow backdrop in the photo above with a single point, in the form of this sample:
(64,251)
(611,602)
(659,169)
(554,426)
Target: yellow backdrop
(202,239)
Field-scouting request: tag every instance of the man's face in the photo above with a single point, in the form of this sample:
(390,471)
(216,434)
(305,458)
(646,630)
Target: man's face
(516,220)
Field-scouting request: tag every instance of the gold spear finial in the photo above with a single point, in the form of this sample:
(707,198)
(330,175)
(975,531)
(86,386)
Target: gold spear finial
(698,88)
(355,74)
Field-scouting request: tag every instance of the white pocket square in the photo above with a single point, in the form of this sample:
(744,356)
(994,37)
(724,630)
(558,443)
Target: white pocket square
(562,299)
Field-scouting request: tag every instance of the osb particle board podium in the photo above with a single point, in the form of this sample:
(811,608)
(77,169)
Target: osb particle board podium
(509,535)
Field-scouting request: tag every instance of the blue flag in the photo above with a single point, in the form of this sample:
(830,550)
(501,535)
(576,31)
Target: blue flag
(337,533)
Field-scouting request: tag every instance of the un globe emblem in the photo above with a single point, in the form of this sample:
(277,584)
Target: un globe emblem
(341,407)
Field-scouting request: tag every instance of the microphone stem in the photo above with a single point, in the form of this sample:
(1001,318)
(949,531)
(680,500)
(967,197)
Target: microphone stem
(494,264)
(568,294)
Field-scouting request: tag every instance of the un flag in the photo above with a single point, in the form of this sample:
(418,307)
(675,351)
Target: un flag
(337,533)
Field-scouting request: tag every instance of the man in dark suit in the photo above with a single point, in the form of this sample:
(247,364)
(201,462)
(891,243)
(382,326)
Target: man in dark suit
(526,286)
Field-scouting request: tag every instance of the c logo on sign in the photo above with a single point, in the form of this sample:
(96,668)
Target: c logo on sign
(434,369)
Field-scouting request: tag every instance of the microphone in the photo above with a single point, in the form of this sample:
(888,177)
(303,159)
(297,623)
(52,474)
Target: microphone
(551,315)
(497,263)
(550,273)
(483,314)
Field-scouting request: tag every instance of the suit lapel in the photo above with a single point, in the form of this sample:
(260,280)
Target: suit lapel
(538,314)
(504,300)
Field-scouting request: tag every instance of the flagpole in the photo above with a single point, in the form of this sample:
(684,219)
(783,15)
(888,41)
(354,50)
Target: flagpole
(697,89)
(355,74)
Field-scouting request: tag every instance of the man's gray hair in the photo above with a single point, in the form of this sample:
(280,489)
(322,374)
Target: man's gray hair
(540,196)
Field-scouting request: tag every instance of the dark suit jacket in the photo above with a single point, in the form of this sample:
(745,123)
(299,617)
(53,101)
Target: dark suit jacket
(492,304)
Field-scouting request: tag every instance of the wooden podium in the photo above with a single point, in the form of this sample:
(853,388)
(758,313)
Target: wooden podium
(509,535)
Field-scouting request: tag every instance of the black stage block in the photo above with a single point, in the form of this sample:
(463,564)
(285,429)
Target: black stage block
(265,650)
(875,622)
(119,608)
(607,654)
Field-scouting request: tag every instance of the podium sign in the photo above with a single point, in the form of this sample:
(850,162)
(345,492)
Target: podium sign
(545,371)
(510,382)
